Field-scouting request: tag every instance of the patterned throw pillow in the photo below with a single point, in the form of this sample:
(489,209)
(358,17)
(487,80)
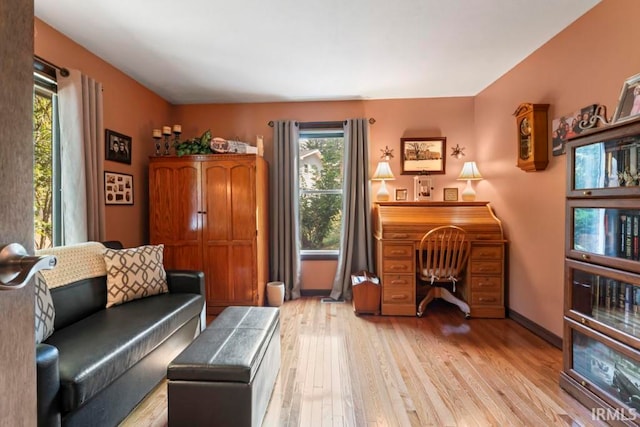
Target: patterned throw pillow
(45,311)
(134,273)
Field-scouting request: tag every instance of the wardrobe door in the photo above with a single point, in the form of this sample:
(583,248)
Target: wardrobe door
(229,232)
(176,213)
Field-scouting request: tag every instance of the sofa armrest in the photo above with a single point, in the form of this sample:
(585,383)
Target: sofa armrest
(48,384)
(186,281)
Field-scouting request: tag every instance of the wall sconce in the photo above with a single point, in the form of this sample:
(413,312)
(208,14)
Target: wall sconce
(469,172)
(383,173)
(457,151)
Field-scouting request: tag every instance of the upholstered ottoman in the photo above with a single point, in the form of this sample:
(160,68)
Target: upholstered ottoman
(225,377)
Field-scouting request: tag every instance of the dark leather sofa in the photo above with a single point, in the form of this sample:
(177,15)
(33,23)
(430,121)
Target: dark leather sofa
(100,363)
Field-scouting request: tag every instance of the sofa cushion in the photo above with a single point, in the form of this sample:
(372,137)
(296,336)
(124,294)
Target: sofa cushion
(134,273)
(44,311)
(97,350)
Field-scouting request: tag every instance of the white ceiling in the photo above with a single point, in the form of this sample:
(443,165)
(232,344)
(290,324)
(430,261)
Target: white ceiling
(218,51)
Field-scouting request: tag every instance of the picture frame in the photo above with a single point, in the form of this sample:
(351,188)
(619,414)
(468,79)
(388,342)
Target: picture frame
(423,155)
(422,188)
(118,188)
(401,194)
(450,194)
(629,100)
(117,147)
(569,125)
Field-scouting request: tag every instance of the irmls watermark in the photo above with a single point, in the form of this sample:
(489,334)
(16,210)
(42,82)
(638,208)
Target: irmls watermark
(614,414)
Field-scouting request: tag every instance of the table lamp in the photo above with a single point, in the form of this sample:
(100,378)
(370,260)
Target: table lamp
(383,172)
(469,172)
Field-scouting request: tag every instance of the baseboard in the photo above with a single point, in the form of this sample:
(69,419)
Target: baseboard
(543,333)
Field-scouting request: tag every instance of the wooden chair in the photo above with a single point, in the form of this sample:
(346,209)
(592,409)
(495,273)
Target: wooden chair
(443,254)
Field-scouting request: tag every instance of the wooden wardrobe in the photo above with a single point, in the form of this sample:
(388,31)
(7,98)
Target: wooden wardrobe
(211,213)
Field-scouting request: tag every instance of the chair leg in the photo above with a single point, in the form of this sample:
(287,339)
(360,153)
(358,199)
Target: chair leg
(448,296)
(431,294)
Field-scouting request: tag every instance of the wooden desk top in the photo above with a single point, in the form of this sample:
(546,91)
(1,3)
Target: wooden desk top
(394,220)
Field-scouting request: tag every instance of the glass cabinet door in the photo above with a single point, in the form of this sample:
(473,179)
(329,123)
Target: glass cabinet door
(607,296)
(601,164)
(611,230)
(609,366)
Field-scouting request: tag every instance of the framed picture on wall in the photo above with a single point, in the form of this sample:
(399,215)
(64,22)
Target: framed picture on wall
(117,147)
(118,188)
(423,155)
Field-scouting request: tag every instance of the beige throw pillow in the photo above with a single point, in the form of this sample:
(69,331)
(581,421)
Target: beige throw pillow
(134,273)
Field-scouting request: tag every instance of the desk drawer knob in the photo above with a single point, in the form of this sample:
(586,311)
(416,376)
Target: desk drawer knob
(399,297)
(398,267)
(399,236)
(482,299)
(399,282)
(398,252)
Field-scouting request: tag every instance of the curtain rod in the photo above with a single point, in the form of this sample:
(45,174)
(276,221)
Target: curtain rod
(371,121)
(63,71)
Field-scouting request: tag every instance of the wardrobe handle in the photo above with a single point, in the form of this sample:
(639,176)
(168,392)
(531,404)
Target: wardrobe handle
(202,212)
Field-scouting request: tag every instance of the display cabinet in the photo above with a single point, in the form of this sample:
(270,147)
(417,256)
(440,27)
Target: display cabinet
(601,365)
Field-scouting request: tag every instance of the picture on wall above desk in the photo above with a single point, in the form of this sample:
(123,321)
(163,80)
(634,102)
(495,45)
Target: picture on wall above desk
(423,155)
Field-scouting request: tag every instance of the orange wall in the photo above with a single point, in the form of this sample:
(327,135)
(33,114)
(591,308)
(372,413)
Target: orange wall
(130,109)
(587,63)
(449,117)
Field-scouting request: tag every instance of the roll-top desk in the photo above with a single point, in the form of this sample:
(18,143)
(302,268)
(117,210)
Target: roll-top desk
(398,229)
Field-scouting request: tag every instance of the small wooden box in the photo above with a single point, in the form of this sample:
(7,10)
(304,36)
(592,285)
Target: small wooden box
(366,293)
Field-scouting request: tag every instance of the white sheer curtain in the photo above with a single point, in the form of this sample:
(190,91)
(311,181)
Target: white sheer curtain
(356,241)
(284,218)
(81,148)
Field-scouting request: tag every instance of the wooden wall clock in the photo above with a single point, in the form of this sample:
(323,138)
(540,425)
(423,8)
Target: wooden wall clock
(533,141)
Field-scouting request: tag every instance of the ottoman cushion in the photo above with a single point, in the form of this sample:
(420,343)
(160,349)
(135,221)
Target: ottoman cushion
(230,349)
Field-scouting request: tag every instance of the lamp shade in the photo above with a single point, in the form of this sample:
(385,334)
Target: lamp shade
(383,171)
(470,172)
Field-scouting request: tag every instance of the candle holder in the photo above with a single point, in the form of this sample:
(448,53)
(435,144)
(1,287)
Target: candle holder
(166,144)
(157,142)
(176,137)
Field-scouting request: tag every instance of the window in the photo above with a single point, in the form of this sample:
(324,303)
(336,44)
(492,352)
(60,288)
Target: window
(46,159)
(320,176)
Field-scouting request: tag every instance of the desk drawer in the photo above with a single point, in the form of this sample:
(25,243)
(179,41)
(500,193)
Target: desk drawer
(395,280)
(399,294)
(393,235)
(397,251)
(486,283)
(486,298)
(486,252)
(486,267)
(397,266)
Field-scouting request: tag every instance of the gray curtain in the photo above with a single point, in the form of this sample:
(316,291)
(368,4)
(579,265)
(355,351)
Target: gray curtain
(356,247)
(285,243)
(81,158)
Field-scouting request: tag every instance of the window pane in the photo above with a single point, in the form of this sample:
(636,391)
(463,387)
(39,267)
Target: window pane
(321,189)
(320,220)
(43,169)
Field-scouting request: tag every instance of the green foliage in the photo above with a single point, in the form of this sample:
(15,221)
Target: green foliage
(43,170)
(200,145)
(321,214)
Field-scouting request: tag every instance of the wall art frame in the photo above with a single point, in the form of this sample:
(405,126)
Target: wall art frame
(423,155)
(117,147)
(118,188)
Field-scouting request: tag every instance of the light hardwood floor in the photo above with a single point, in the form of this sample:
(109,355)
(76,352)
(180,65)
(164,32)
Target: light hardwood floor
(339,369)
